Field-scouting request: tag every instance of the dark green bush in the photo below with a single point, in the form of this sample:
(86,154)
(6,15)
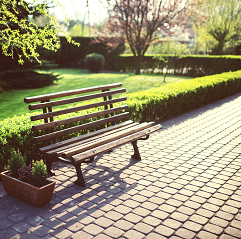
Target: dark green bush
(153,104)
(94,62)
(26,79)
(195,66)
(70,55)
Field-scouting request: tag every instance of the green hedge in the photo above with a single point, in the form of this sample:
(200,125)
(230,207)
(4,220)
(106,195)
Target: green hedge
(195,66)
(17,133)
(181,97)
(154,104)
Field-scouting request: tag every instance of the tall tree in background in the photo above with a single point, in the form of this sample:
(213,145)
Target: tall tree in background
(140,21)
(19,37)
(223,21)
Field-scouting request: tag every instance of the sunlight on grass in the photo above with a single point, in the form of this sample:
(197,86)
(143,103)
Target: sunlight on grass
(11,102)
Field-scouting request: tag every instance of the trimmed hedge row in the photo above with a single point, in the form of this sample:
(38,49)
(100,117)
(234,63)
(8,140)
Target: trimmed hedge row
(175,99)
(192,65)
(154,104)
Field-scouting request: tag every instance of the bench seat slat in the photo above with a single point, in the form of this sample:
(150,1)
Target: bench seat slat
(75,99)
(83,137)
(75,109)
(78,158)
(71,92)
(60,150)
(79,127)
(103,140)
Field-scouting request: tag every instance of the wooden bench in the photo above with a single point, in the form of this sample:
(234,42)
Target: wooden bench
(83,147)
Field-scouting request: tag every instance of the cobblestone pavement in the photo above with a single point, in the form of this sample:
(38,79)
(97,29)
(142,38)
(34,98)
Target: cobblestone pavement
(187,185)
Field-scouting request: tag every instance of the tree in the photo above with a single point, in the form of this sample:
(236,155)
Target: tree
(77,30)
(223,21)
(141,21)
(20,37)
(170,47)
(204,42)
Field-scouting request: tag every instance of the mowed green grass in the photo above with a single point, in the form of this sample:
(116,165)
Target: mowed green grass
(11,102)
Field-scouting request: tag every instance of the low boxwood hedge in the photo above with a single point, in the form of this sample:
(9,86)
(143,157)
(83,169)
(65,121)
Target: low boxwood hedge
(153,104)
(181,97)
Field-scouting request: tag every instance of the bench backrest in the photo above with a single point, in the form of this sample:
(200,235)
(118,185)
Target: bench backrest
(109,113)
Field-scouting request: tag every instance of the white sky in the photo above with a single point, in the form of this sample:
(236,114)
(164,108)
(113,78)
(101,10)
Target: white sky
(75,9)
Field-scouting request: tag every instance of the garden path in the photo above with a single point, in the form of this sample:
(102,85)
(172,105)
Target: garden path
(187,186)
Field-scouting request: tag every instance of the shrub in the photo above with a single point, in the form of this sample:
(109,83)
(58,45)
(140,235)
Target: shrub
(26,79)
(39,173)
(16,162)
(94,62)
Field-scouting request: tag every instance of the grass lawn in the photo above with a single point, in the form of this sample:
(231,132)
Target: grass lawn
(11,102)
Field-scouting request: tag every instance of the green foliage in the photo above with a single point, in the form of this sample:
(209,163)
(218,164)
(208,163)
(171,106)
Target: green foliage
(39,173)
(181,97)
(18,33)
(205,42)
(223,21)
(169,47)
(16,162)
(76,30)
(71,56)
(16,133)
(20,37)
(26,79)
(153,104)
(94,62)
(190,65)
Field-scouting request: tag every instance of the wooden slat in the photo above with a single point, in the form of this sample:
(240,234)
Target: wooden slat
(74,100)
(78,158)
(75,109)
(78,128)
(107,138)
(83,137)
(59,151)
(78,118)
(71,92)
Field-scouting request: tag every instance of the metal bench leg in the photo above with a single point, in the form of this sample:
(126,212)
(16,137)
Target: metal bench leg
(136,154)
(80,181)
(49,163)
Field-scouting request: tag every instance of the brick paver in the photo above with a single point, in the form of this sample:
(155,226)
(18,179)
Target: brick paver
(187,185)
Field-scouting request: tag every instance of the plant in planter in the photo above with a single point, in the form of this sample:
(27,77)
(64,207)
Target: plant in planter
(28,183)
(39,173)
(15,163)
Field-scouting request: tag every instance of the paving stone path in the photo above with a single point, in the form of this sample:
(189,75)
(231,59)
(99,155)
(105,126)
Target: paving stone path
(187,185)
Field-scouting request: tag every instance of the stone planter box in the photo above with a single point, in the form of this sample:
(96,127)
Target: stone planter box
(36,196)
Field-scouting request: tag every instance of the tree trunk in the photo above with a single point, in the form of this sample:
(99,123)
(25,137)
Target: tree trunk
(220,47)
(218,50)
(138,65)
